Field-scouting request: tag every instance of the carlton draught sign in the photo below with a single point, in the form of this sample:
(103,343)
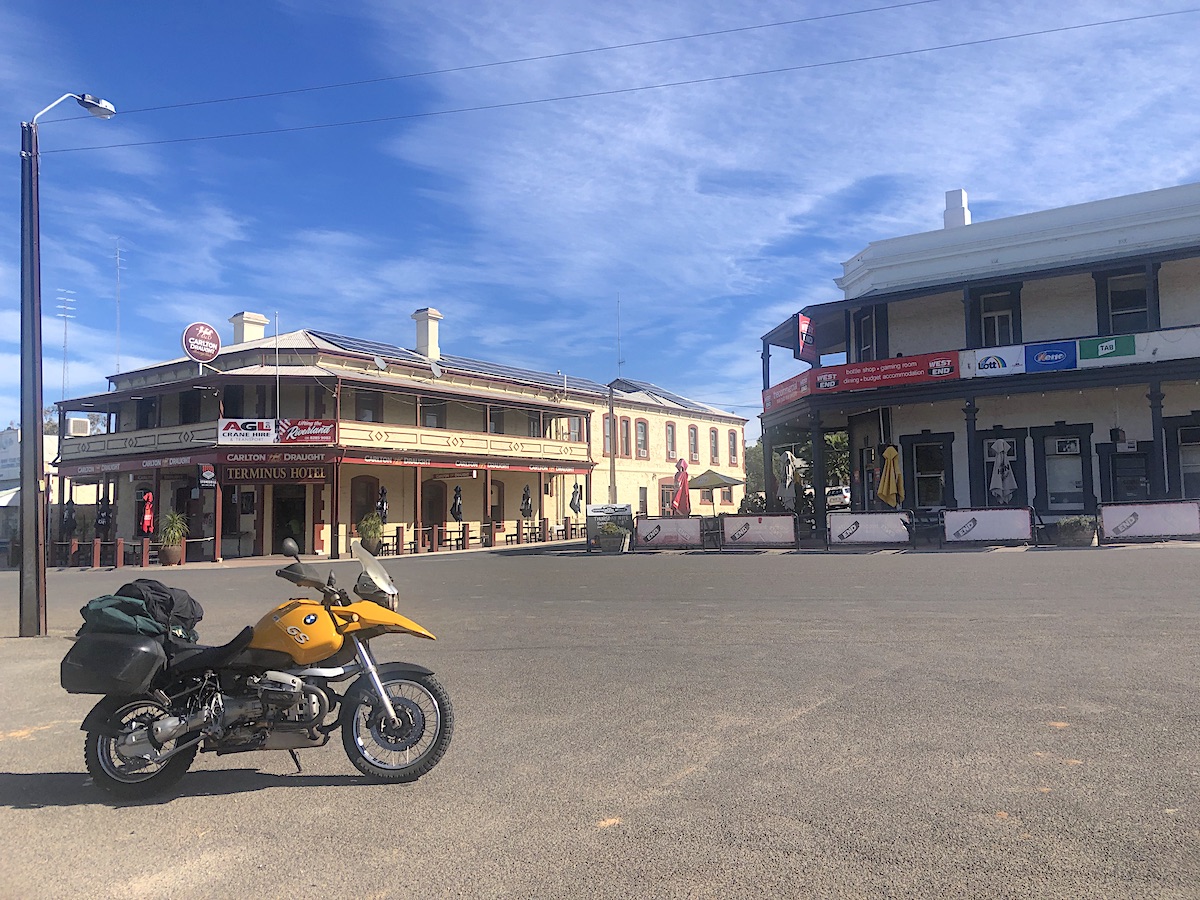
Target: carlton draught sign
(201,342)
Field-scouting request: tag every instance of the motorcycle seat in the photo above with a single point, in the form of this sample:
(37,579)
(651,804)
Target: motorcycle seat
(199,657)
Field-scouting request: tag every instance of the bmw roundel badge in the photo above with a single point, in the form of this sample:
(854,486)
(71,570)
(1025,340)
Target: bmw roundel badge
(310,618)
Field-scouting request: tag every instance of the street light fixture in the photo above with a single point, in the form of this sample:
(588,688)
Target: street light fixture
(33,511)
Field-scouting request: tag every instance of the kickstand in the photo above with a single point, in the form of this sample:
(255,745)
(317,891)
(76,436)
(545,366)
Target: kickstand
(296,760)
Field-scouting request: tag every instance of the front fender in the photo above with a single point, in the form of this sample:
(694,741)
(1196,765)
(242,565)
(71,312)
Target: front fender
(362,684)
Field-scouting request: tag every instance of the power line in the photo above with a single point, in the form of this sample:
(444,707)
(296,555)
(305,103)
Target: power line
(517,61)
(632,90)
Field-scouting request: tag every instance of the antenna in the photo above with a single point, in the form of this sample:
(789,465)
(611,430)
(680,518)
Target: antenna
(118,255)
(620,359)
(66,302)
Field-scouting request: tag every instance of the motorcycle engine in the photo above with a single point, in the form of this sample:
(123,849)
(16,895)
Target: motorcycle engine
(279,689)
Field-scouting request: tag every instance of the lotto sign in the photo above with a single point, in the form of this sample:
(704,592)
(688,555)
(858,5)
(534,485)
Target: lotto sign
(201,342)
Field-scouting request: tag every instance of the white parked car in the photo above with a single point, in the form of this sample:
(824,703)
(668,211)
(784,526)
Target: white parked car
(837,496)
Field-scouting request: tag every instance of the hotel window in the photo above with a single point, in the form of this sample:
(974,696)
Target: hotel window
(670,440)
(642,430)
(733,448)
(535,424)
(625,438)
(1127,301)
(368,406)
(643,501)
(693,443)
(575,429)
(714,446)
(864,335)
(997,324)
(726,495)
(495,420)
(433,414)
(607,436)
(147,412)
(994,316)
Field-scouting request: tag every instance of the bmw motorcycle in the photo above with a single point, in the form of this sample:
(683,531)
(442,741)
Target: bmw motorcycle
(271,688)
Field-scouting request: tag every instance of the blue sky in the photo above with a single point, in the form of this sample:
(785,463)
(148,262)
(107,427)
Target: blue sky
(712,211)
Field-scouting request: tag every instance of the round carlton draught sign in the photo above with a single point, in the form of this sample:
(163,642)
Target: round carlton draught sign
(201,342)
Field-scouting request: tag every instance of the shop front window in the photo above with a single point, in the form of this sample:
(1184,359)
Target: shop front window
(1130,479)
(1064,474)
(1189,462)
(929,463)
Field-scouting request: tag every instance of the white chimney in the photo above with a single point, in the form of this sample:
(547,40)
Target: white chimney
(957,214)
(427,332)
(248,326)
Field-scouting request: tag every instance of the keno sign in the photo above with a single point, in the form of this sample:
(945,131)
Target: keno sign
(201,342)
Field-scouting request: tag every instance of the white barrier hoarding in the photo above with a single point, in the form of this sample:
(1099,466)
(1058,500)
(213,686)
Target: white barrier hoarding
(1143,520)
(988,524)
(758,531)
(666,532)
(868,528)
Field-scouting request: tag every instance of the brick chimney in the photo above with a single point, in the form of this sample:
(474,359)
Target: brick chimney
(248,326)
(427,332)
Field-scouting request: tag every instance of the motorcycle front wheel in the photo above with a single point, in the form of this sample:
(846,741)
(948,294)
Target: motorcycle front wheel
(122,766)
(407,749)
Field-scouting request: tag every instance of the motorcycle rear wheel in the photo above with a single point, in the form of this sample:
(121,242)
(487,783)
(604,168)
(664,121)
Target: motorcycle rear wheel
(131,777)
(402,753)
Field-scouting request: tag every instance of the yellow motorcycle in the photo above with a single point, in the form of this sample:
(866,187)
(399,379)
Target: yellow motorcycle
(270,688)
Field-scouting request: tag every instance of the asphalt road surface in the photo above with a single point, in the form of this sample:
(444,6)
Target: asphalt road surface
(964,724)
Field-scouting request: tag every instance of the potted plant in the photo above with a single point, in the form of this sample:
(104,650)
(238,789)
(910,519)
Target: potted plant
(370,532)
(1076,531)
(172,531)
(613,538)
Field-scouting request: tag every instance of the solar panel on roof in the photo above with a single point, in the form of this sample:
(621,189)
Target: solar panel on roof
(461,363)
(656,391)
(373,348)
(514,373)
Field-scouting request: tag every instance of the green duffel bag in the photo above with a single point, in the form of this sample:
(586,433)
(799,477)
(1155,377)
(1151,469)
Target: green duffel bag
(118,615)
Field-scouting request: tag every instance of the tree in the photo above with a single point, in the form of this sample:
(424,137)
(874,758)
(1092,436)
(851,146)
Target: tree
(753,456)
(50,420)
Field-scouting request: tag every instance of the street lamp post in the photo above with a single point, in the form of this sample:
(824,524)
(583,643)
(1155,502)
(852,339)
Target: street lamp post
(33,511)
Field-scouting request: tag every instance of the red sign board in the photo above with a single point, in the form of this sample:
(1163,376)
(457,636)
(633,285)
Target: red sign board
(306,431)
(201,342)
(900,370)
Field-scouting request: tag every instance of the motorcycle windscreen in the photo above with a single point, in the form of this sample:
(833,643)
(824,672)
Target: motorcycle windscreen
(374,568)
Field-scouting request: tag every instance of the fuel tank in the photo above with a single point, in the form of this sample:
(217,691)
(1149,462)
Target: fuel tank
(301,628)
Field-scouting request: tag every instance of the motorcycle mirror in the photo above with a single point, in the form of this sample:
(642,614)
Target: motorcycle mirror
(290,547)
(330,582)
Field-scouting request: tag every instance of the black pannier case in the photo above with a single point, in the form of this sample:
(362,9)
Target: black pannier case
(120,664)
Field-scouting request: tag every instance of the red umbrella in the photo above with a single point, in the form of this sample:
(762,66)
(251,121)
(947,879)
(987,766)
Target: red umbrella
(681,503)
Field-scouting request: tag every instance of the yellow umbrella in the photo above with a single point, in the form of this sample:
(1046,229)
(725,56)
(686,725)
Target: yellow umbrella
(891,482)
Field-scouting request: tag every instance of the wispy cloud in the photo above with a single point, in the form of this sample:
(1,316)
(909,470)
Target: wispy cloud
(712,210)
